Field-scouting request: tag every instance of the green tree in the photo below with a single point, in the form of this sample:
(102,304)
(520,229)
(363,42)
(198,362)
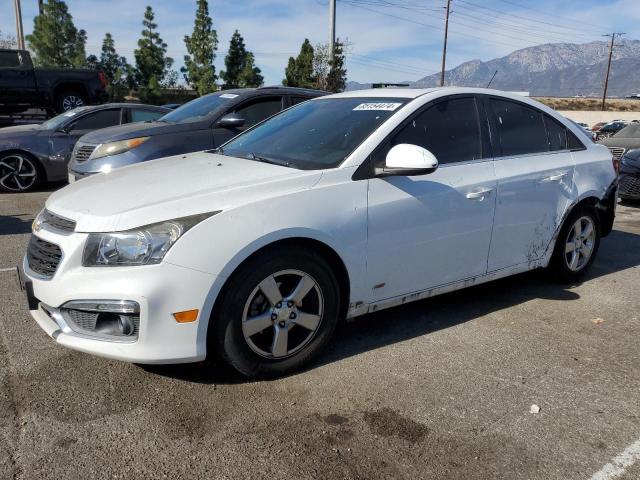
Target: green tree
(7,41)
(198,70)
(55,41)
(337,76)
(115,68)
(241,70)
(152,64)
(299,71)
(250,76)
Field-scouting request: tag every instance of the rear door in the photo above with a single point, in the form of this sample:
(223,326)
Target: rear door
(535,172)
(17,81)
(135,114)
(253,111)
(431,230)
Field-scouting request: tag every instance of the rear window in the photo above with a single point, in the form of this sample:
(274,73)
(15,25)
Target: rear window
(557,134)
(9,59)
(521,129)
(140,115)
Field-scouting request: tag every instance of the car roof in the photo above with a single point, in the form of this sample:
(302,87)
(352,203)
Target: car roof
(418,92)
(129,104)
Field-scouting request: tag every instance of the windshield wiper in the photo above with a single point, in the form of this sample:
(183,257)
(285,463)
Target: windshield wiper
(272,161)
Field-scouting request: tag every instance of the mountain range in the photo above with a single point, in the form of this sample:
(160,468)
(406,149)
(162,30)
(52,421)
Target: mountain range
(556,69)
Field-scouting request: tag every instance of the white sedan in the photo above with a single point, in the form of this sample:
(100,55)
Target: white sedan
(334,208)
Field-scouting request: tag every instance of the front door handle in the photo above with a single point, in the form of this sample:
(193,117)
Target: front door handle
(479,194)
(555,178)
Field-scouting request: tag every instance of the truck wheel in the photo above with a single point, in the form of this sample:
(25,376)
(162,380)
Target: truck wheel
(19,172)
(68,100)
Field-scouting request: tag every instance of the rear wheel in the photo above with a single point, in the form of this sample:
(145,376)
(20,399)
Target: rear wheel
(18,172)
(277,313)
(576,246)
(70,99)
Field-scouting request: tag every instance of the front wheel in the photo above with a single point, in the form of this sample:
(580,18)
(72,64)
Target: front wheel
(277,313)
(576,246)
(18,172)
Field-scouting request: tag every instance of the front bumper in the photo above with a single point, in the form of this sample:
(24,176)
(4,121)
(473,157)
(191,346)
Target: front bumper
(160,290)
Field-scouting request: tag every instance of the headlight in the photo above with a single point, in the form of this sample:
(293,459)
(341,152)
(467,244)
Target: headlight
(142,246)
(114,148)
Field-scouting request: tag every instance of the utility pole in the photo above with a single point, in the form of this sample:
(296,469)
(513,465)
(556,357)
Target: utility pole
(332,28)
(606,78)
(444,48)
(19,32)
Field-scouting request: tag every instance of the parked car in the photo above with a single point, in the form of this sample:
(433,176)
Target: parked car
(610,129)
(172,106)
(59,89)
(34,154)
(204,123)
(598,126)
(626,139)
(630,175)
(339,206)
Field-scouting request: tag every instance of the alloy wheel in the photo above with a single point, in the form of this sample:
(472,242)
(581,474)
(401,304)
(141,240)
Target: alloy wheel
(282,314)
(71,101)
(17,173)
(579,244)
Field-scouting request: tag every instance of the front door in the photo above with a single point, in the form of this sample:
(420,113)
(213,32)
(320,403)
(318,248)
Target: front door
(534,170)
(432,230)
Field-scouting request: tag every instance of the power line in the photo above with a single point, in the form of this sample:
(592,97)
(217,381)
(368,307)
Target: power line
(526,7)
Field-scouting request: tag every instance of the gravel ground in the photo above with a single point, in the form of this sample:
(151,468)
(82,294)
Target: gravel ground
(438,389)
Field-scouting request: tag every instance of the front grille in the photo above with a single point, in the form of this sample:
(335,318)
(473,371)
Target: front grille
(617,152)
(60,224)
(83,152)
(43,257)
(629,186)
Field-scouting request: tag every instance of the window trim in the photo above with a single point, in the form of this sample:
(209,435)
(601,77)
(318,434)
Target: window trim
(366,169)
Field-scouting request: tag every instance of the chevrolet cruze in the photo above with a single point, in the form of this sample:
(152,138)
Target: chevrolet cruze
(336,207)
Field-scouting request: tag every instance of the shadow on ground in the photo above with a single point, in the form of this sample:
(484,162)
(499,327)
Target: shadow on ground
(619,251)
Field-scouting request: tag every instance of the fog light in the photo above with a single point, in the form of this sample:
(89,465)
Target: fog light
(125,325)
(114,324)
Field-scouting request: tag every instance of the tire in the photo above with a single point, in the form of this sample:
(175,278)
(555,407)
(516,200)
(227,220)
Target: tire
(256,349)
(567,265)
(70,99)
(19,172)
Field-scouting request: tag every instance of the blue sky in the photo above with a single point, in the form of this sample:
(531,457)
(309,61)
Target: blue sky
(390,40)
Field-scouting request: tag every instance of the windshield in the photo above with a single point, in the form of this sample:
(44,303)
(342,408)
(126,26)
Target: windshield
(197,109)
(630,131)
(59,120)
(314,135)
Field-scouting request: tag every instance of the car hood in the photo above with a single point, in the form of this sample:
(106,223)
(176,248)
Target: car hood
(172,187)
(19,131)
(141,129)
(621,142)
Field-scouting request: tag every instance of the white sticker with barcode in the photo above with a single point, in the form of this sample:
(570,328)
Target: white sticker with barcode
(228,95)
(380,106)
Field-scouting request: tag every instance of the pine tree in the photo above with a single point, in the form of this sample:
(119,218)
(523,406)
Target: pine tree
(234,61)
(250,76)
(337,76)
(299,71)
(55,40)
(241,71)
(198,70)
(114,66)
(152,64)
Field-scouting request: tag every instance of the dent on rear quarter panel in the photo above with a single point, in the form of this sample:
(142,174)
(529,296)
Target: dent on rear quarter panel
(593,172)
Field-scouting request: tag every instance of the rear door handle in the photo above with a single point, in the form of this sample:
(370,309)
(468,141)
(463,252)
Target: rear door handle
(555,178)
(479,194)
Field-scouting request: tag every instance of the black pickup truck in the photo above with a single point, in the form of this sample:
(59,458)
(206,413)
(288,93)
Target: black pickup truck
(55,89)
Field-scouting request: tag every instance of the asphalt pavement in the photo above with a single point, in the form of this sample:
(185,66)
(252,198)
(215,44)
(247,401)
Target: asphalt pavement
(439,389)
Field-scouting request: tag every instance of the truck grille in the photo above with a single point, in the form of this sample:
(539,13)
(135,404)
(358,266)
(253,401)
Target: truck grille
(617,152)
(43,257)
(629,186)
(57,223)
(83,152)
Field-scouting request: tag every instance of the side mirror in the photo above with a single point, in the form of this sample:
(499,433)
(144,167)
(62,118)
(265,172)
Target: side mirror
(406,159)
(231,120)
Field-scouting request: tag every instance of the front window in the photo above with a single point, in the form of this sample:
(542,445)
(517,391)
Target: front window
(62,119)
(198,109)
(314,135)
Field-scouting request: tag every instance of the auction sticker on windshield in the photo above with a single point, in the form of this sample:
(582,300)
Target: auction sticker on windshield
(228,95)
(384,106)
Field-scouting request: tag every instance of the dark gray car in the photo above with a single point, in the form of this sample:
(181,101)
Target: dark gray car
(626,139)
(201,124)
(34,154)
